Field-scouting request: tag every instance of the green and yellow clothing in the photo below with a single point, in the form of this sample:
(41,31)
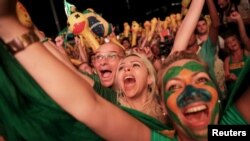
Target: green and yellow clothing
(29,114)
(230,116)
(207,52)
(235,68)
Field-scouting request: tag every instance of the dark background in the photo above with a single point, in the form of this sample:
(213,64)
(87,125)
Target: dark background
(114,11)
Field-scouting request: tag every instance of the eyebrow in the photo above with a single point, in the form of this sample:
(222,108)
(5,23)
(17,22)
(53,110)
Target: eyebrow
(136,61)
(196,73)
(131,62)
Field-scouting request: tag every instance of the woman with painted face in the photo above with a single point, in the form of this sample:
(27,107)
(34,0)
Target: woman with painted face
(192,100)
(80,100)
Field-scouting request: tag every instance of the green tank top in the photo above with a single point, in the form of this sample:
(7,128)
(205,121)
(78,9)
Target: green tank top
(235,68)
(28,113)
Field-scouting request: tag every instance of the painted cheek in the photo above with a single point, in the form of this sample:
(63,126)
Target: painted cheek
(171,101)
(214,95)
(173,111)
(210,86)
(214,105)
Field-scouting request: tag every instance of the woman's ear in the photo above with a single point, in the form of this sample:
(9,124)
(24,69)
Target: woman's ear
(149,80)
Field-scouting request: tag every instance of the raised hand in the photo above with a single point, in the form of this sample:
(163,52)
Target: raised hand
(234,17)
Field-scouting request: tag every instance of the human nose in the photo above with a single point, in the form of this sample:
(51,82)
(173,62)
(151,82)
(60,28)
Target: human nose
(103,61)
(191,94)
(127,68)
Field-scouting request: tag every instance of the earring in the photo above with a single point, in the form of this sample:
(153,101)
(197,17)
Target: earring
(149,88)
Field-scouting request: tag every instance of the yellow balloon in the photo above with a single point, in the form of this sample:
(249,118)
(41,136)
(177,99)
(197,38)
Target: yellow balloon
(23,15)
(78,25)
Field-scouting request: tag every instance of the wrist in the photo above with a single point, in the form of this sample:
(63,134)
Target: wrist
(23,41)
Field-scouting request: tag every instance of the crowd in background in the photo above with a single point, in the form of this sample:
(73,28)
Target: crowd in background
(174,75)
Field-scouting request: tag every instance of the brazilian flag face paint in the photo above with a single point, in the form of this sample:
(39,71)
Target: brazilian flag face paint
(192,65)
(191,99)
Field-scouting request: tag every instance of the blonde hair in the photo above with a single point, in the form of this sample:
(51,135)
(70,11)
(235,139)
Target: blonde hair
(152,105)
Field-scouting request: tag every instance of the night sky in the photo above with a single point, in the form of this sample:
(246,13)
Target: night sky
(114,11)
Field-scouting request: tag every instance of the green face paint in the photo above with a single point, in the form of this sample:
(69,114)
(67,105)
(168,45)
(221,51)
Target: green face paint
(187,130)
(174,71)
(193,94)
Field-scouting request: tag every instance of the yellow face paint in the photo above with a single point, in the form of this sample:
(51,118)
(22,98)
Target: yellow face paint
(188,88)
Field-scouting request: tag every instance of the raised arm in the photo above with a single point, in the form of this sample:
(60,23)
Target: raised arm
(187,26)
(236,17)
(215,21)
(51,47)
(70,91)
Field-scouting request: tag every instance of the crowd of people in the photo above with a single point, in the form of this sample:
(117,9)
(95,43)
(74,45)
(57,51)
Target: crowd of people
(160,80)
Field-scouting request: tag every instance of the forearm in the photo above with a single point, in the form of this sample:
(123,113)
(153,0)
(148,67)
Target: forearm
(51,47)
(74,94)
(187,26)
(114,124)
(215,22)
(54,77)
(243,35)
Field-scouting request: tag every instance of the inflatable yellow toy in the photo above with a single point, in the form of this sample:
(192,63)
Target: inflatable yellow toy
(126,30)
(23,15)
(134,29)
(113,39)
(208,19)
(167,22)
(173,24)
(178,19)
(78,24)
(147,26)
(97,24)
(152,28)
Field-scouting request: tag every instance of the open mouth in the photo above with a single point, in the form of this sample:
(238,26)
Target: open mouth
(129,81)
(106,73)
(197,115)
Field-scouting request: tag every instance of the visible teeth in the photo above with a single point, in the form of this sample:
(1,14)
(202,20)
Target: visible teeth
(128,77)
(195,109)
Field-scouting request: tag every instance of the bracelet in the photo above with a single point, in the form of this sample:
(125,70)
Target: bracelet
(20,43)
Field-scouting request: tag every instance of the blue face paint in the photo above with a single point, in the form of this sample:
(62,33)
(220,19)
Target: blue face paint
(191,94)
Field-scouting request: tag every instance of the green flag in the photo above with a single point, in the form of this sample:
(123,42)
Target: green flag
(67,8)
